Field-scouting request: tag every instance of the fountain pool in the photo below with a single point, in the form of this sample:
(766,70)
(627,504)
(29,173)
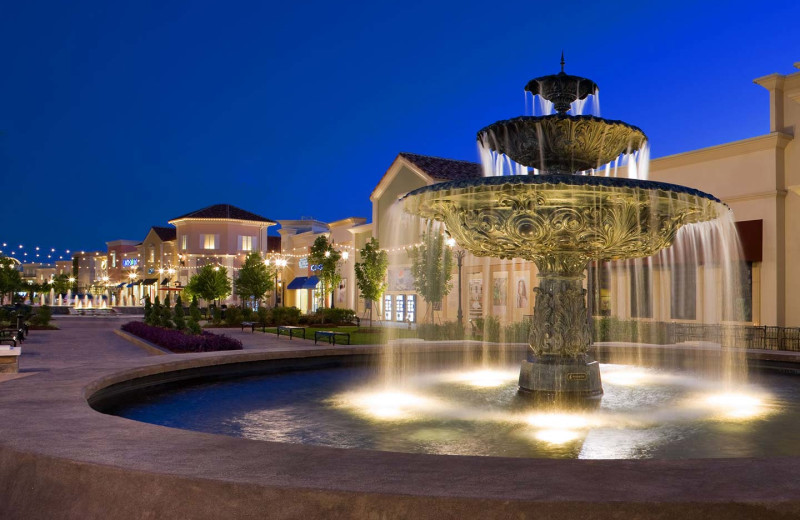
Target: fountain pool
(454,408)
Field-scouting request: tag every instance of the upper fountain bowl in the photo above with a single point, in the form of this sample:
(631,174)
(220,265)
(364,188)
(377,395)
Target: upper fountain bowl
(561,143)
(562,88)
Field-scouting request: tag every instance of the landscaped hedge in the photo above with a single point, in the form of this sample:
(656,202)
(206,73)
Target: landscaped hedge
(177,341)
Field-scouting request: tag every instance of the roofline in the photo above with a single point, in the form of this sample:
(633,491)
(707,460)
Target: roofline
(345,221)
(392,171)
(262,223)
(769,141)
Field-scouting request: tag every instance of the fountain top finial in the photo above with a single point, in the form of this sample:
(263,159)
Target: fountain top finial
(562,89)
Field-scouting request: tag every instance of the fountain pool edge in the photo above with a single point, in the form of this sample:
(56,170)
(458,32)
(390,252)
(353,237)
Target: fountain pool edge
(58,454)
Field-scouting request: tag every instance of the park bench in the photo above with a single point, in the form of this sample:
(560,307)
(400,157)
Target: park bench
(250,324)
(290,329)
(330,336)
(18,335)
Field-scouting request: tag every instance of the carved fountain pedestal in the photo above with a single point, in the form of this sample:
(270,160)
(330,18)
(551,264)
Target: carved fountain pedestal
(560,335)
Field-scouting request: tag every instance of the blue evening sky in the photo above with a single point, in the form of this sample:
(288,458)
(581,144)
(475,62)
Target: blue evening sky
(116,116)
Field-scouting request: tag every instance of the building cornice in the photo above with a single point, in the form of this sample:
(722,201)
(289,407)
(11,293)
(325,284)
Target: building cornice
(771,81)
(225,220)
(755,196)
(771,141)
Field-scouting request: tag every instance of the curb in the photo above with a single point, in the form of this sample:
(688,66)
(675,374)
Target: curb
(152,349)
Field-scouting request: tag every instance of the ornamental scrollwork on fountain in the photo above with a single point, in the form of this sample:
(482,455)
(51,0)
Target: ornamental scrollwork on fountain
(533,221)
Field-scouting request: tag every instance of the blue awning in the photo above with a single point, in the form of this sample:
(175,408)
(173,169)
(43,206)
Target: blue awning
(297,283)
(303,282)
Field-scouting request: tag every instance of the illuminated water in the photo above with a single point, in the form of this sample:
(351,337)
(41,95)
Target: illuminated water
(645,413)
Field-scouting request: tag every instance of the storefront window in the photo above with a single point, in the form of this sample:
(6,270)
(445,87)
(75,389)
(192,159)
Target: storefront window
(399,307)
(387,307)
(411,308)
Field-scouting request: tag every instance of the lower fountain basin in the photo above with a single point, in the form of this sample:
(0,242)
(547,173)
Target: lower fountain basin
(456,409)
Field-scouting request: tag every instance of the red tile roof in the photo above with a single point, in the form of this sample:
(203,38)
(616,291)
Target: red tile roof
(165,233)
(224,211)
(444,169)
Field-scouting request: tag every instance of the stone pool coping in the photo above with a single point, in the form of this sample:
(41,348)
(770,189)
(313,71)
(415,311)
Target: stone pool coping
(58,454)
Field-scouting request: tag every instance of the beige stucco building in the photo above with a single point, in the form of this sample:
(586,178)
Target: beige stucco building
(298,283)
(221,235)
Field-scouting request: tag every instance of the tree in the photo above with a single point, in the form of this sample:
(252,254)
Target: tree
(210,283)
(61,284)
(255,278)
(371,273)
(194,310)
(180,321)
(193,325)
(166,313)
(156,314)
(148,310)
(432,268)
(322,253)
(10,279)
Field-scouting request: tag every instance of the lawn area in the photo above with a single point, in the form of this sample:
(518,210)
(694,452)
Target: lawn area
(360,336)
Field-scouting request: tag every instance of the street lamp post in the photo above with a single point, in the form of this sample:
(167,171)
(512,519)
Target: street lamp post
(459,262)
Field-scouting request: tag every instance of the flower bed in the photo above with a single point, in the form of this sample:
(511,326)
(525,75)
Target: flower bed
(178,342)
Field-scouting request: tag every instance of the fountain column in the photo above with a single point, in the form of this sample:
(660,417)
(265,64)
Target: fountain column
(560,335)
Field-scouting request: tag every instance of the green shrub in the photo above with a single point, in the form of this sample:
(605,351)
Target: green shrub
(264,316)
(193,326)
(194,310)
(216,315)
(337,316)
(180,321)
(247,314)
(518,332)
(148,310)
(285,315)
(42,316)
(440,331)
(156,313)
(233,316)
(491,329)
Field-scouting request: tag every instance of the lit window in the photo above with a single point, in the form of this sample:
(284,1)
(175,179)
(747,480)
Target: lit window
(113,259)
(184,242)
(246,243)
(151,253)
(209,241)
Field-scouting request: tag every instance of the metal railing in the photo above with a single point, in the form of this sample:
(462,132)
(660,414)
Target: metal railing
(737,336)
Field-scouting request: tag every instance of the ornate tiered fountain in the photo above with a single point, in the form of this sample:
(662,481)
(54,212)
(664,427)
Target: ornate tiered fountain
(561,217)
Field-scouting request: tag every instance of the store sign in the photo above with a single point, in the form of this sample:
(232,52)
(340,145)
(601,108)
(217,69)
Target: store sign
(303,263)
(130,262)
(316,267)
